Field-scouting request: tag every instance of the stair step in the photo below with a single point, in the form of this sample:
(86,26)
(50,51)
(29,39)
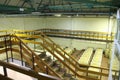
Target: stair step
(55,68)
(66,78)
(43,55)
(61,71)
(49,62)
(30,38)
(1,46)
(73,79)
(48,59)
(68,75)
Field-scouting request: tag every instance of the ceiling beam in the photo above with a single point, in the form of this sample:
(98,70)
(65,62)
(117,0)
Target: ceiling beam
(75,7)
(8,8)
(105,3)
(80,5)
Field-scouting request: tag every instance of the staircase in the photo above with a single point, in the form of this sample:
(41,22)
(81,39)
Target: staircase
(64,64)
(56,51)
(14,45)
(57,67)
(59,64)
(41,63)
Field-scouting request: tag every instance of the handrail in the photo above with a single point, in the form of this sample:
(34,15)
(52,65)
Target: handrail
(87,35)
(17,39)
(36,57)
(49,41)
(15,30)
(32,36)
(32,53)
(4,77)
(69,30)
(57,46)
(67,65)
(22,45)
(48,29)
(88,71)
(83,76)
(28,72)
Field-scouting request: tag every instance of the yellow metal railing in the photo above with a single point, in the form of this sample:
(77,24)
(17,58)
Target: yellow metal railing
(91,35)
(50,46)
(69,61)
(24,53)
(88,35)
(31,73)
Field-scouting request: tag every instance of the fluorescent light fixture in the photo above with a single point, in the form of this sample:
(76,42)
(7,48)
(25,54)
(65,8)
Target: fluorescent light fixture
(21,9)
(111,17)
(57,15)
(69,16)
(77,15)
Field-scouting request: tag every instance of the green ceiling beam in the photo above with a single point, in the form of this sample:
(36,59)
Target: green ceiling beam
(105,3)
(76,6)
(15,8)
(80,4)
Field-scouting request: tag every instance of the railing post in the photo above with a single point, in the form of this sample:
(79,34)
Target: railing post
(6,48)
(5,71)
(53,50)
(107,36)
(100,75)
(43,41)
(33,66)
(11,48)
(34,41)
(6,32)
(47,72)
(76,69)
(21,53)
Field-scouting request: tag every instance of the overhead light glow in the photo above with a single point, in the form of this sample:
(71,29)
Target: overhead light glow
(21,9)
(77,15)
(57,15)
(69,16)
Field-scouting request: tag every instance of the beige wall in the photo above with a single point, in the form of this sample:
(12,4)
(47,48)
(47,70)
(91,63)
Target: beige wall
(87,24)
(30,23)
(11,23)
(78,44)
(33,23)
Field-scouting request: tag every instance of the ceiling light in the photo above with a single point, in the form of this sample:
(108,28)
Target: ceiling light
(69,16)
(57,15)
(77,15)
(21,9)
(111,17)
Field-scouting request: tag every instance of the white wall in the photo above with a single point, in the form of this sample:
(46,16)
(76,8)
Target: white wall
(30,23)
(91,24)
(78,44)
(33,23)
(11,23)
(58,23)
(87,24)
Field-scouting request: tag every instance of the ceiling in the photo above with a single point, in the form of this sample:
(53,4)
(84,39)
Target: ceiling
(59,6)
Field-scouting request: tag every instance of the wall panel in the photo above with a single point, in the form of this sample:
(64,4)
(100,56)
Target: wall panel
(11,23)
(87,24)
(33,23)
